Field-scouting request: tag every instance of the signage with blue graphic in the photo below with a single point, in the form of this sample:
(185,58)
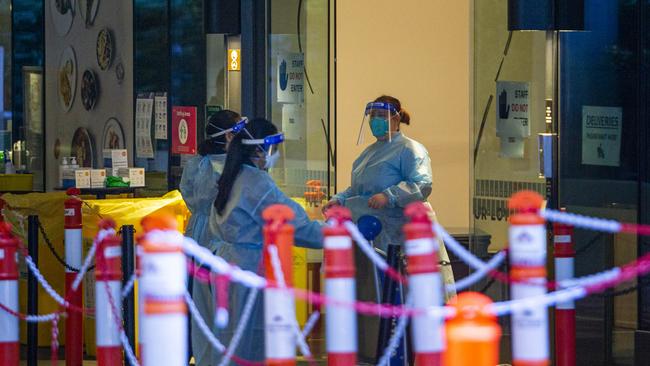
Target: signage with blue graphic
(291,78)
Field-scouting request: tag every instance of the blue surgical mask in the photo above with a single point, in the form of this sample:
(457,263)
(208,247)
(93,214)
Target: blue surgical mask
(378,126)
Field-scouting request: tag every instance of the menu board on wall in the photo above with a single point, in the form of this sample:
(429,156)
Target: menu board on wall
(160,115)
(290,77)
(143,116)
(183,130)
(293,122)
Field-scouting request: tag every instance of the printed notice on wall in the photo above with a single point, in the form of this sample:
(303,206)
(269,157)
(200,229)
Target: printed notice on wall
(143,116)
(184,130)
(160,116)
(293,122)
(601,135)
(513,112)
(290,77)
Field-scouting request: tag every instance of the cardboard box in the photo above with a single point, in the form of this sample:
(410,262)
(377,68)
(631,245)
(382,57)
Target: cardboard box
(82,178)
(134,175)
(98,178)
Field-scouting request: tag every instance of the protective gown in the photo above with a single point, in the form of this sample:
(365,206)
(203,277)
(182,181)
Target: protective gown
(199,189)
(400,168)
(238,238)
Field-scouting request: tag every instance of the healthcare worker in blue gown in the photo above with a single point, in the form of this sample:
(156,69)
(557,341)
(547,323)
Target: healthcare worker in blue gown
(245,190)
(199,189)
(392,172)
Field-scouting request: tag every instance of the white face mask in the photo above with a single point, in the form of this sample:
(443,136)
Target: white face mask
(271,160)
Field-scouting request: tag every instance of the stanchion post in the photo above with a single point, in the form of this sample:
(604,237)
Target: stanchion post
(473,333)
(73,257)
(527,250)
(163,285)
(425,285)
(108,292)
(128,269)
(279,305)
(340,322)
(9,331)
(565,313)
(32,291)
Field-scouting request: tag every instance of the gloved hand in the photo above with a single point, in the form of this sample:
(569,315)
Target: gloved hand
(330,203)
(378,201)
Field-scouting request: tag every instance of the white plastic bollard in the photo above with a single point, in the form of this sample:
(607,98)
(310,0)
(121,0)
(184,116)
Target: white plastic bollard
(527,239)
(340,322)
(164,277)
(425,285)
(73,257)
(9,331)
(108,299)
(279,305)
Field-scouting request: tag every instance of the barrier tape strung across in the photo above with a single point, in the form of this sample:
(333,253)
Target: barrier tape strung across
(476,263)
(569,290)
(368,250)
(311,323)
(205,329)
(32,318)
(397,335)
(128,287)
(234,342)
(54,346)
(478,275)
(101,235)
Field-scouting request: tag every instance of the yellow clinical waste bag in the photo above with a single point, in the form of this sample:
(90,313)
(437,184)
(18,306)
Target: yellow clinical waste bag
(49,209)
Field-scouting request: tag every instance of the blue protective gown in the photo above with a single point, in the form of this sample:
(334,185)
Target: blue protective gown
(199,189)
(239,231)
(401,169)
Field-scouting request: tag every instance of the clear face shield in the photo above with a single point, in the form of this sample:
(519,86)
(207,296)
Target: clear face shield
(270,146)
(376,119)
(235,129)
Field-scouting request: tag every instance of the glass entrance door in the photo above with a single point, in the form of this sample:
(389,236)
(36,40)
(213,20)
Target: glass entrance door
(594,84)
(513,74)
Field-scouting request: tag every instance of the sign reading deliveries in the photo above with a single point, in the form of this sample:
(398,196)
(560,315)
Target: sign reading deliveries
(513,112)
(290,77)
(184,130)
(601,135)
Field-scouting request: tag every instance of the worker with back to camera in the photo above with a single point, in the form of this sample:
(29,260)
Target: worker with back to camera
(199,189)
(245,191)
(391,173)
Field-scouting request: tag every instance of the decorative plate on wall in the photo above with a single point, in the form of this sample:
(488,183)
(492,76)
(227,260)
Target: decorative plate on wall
(105,49)
(82,148)
(88,10)
(113,137)
(67,78)
(89,89)
(62,12)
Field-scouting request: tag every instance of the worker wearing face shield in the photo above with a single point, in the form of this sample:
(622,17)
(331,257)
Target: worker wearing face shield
(245,190)
(199,189)
(390,173)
